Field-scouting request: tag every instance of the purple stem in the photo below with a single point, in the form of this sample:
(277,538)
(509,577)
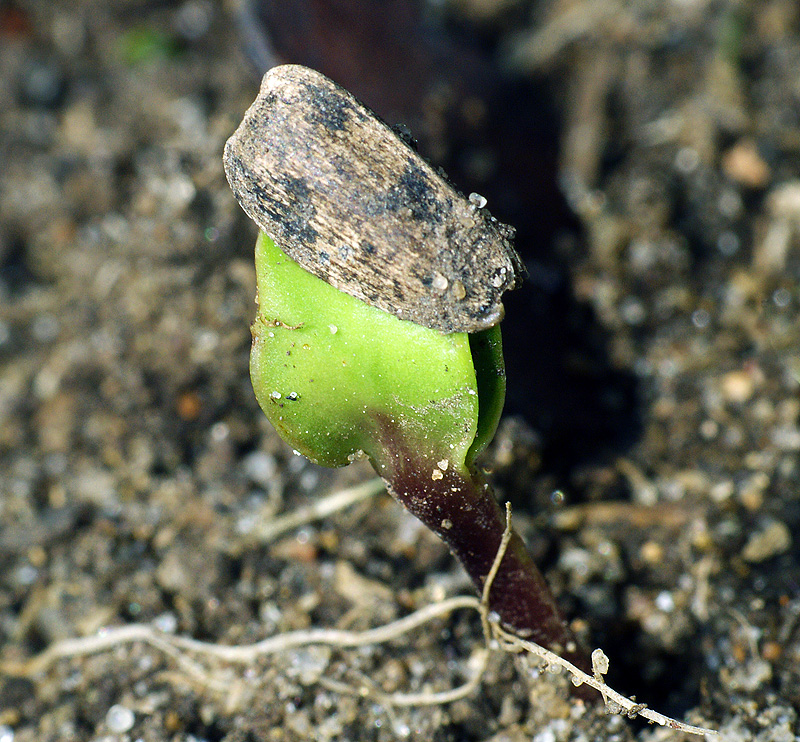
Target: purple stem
(462,510)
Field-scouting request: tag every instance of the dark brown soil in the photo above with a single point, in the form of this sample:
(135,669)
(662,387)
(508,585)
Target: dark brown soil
(649,154)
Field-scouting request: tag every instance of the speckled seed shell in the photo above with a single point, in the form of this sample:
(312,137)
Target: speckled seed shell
(352,203)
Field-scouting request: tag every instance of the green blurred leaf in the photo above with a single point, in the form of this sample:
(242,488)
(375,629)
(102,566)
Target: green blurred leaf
(142,45)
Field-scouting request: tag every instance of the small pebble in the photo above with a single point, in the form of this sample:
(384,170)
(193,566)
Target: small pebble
(771,652)
(193,19)
(744,164)
(27,574)
(260,467)
(166,622)
(477,200)
(665,602)
(687,160)
(120,719)
(41,84)
(219,432)
(701,319)
(728,243)
(652,552)
(772,540)
(737,387)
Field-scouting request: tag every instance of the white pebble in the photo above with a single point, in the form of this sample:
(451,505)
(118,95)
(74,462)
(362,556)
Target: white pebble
(120,719)
(166,622)
(440,283)
(477,200)
(260,466)
(665,602)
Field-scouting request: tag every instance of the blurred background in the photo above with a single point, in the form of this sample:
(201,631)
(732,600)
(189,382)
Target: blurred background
(648,154)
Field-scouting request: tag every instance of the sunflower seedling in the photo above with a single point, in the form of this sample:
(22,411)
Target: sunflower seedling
(377,329)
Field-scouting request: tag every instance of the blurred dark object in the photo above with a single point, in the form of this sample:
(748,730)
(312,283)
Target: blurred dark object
(42,83)
(380,51)
(491,133)
(14,21)
(494,134)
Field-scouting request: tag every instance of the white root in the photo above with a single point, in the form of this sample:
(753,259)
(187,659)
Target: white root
(187,652)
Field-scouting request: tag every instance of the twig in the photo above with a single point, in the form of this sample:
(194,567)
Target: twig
(317,510)
(536,50)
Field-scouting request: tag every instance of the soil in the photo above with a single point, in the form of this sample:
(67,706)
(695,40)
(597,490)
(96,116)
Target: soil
(649,155)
